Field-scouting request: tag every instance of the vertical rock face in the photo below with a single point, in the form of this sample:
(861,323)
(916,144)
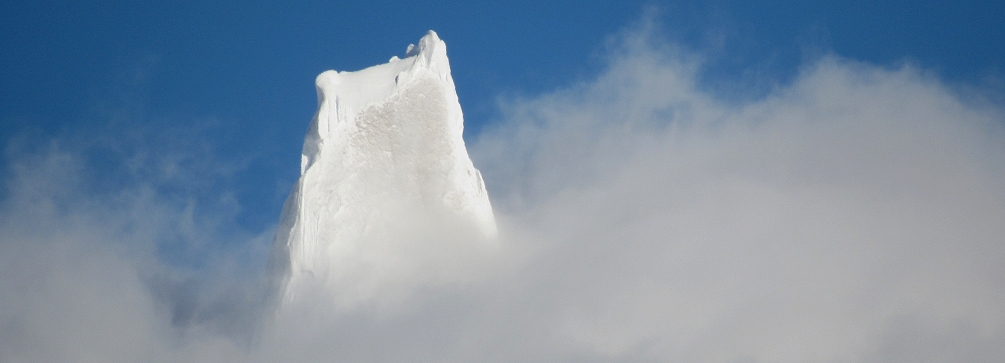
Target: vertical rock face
(385,180)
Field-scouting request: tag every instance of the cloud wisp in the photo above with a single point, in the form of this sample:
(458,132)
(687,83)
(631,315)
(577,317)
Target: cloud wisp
(853,215)
(816,224)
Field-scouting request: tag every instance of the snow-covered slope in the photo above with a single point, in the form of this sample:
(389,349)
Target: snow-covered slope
(385,177)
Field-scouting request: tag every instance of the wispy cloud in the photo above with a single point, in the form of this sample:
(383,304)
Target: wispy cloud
(811,225)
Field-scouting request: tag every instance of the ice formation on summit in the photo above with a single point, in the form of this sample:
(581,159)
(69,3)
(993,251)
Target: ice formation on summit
(384,171)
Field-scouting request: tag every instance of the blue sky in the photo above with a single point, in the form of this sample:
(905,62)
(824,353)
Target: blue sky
(694,181)
(249,67)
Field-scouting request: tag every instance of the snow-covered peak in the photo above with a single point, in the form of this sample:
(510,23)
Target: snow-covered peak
(348,92)
(387,189)
(357,89)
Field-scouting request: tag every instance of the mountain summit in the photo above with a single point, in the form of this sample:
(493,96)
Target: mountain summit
(384,177)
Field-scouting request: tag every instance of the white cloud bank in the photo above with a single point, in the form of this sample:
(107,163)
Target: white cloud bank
(855,215)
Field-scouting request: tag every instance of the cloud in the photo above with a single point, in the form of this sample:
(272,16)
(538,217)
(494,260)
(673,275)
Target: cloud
(853,215)
(90,247)
(810,225)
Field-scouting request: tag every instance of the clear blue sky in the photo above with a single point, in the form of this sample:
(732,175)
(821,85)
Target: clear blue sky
(246,69)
